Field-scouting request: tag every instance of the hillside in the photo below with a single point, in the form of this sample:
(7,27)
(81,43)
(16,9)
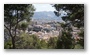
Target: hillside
(46,16)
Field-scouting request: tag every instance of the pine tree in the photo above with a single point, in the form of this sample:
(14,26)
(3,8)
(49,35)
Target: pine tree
(13,14)
(75,16)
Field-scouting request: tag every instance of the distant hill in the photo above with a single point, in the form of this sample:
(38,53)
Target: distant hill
(46,16)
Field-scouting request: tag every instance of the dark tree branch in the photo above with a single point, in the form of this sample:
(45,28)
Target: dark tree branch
(8,30)
(16,23)
(6,27)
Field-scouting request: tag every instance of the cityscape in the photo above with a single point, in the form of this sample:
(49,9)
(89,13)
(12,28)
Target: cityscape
(29,26)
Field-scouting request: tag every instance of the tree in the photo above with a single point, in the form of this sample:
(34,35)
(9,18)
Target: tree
(81,41)
(43,44)
(75,13)
(13,14)
(26,41)
(74,17)
(24,26)
(52,43)
(65,41)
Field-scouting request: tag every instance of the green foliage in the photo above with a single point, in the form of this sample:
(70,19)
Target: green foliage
(24,25)
(81,41)
(76,11)
(8,44)
(43,44)
(15,13)
(78,46)
(26,41)
(22,12)
(52,43)
(65,41)
(75,14)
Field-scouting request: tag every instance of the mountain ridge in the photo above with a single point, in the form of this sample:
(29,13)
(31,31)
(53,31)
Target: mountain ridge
(46,15)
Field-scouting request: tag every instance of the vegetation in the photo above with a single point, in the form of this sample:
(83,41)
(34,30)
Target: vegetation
(74,17)
(27,41)
(13,14)
(52,43)
(17,18)
(23,26)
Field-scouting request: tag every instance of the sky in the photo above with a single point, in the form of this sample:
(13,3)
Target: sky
(43,7)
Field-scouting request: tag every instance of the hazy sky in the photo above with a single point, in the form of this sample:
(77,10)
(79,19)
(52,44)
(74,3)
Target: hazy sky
(43,7)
